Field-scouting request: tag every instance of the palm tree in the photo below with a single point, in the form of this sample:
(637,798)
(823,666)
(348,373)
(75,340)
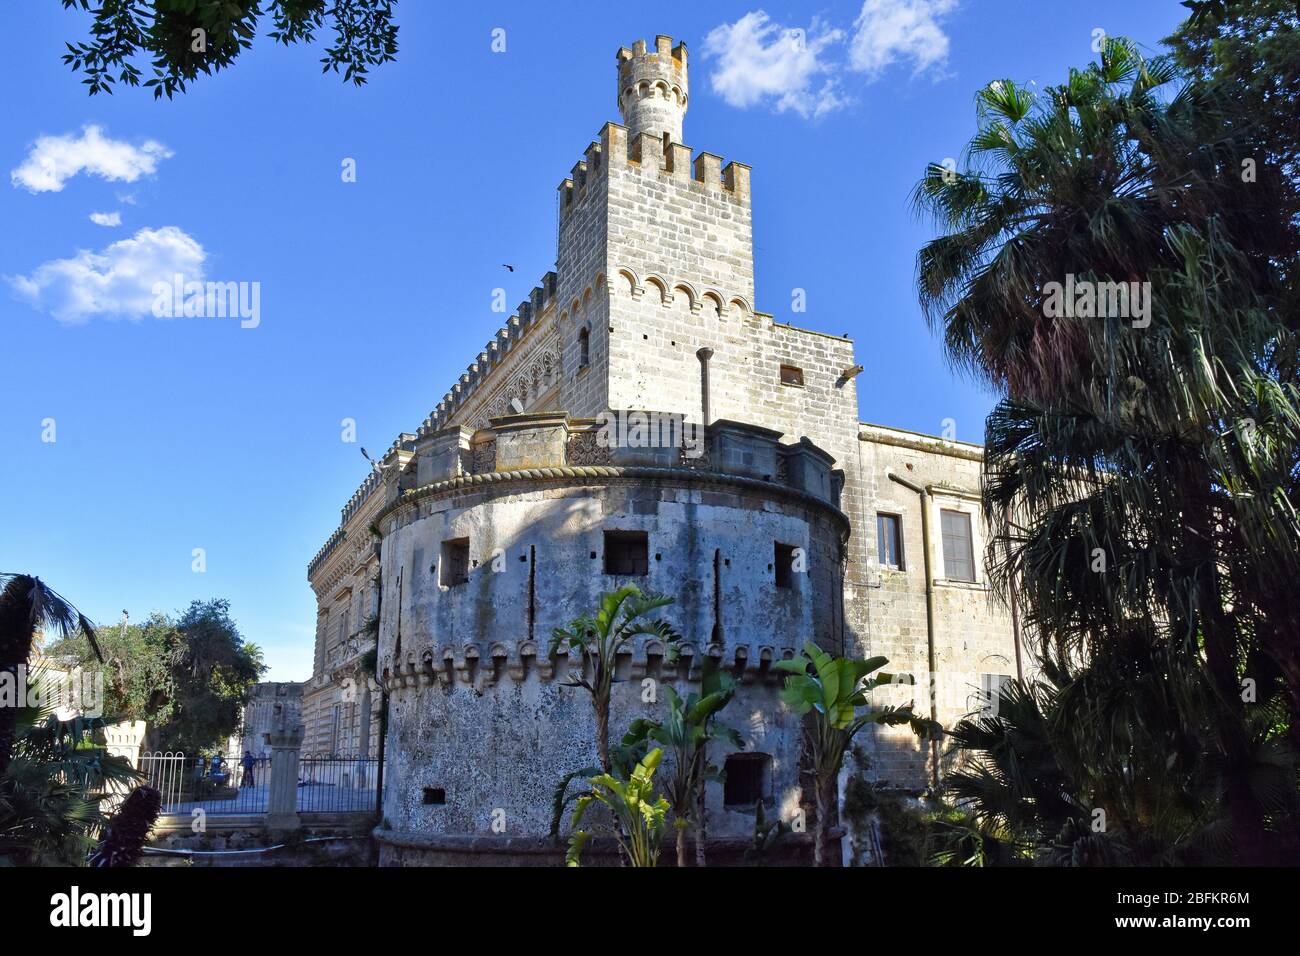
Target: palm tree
(686,733)
(1112,762)
(1141,470)
(27,606)
(52,791)
(830,693)
(600,639)
(128,830)
(638,812)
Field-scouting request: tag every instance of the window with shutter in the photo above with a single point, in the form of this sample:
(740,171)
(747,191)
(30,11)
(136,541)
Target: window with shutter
(958,556)
(889,541)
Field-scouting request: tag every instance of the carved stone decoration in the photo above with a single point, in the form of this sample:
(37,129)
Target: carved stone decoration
(585,449)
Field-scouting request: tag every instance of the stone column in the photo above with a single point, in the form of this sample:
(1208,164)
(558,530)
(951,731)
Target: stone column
(363,728)
(282,798)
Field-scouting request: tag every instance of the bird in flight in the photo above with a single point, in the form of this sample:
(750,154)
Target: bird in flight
(511,268)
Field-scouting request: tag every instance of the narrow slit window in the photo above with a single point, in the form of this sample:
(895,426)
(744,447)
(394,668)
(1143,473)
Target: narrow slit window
(991,692)
(584,348)
(783,565)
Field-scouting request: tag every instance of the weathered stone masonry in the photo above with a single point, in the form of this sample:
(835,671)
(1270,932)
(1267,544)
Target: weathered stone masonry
(499,514)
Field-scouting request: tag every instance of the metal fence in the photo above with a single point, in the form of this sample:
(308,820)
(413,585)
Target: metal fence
(215,786)
(334,784)
(327,783)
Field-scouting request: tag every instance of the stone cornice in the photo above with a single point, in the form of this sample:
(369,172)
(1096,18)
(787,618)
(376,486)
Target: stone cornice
(916,441)
(599,474)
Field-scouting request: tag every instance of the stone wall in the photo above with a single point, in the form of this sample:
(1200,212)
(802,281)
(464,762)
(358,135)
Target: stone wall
(654,263)
(972,633)
(480,712)
(271,703)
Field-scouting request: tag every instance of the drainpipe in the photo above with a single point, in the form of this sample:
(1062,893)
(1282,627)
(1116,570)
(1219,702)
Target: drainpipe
(1015,605)
(704,355)
(929,611)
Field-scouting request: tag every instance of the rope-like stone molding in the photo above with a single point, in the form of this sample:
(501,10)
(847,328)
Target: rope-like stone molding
(590,473)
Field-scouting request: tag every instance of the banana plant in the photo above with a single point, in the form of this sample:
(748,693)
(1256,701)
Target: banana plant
(620,618)
(832,694)
(637,810)
(686,734)
(767,836)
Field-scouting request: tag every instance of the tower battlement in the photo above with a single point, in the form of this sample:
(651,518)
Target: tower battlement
(652,88)
(618,147)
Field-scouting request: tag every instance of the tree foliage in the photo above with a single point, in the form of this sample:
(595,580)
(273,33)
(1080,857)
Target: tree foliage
(689,728)
(623,615)
(1141,479)
(53,790)
(29,606)
(833,694)
(128,830)
(1116,763)
(637,809)
(182,39)
(188,676)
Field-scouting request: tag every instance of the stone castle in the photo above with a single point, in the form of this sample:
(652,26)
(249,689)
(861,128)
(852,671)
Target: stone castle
(509,511)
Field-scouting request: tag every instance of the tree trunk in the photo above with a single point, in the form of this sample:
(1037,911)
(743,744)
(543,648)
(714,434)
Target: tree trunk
(1220,639)
(701,829)
(602,735)
(681,844)
(824,794)
(15,648)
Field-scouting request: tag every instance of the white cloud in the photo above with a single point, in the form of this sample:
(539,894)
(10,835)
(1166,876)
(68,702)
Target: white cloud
(889,31)
(763,62)
(117,282)
(54,160)
(106,218)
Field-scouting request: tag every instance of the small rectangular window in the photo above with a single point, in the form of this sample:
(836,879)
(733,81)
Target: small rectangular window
(747,780)
(958,556)
(791,375)
(991,691)
(889,540)
(783,565)
(434,796)
(454,567)
(627,552)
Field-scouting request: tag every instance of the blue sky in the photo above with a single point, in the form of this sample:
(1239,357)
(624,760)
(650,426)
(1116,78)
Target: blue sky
(177,434)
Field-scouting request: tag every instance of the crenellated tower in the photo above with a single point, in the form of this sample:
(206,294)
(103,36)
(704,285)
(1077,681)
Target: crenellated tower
(510,512)
(652,89)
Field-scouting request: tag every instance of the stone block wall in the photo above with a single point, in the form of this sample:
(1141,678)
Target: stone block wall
(973,631)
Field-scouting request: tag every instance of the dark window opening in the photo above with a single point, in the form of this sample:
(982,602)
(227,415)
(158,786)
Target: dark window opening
(791,375)
(748,780)
(627,552)
(435,796)
(958,556)
(889,540)
(455,562)
(783,565)
(584,348)
(991,692)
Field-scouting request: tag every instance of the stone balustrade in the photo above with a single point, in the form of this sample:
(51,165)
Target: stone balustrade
(626,439)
